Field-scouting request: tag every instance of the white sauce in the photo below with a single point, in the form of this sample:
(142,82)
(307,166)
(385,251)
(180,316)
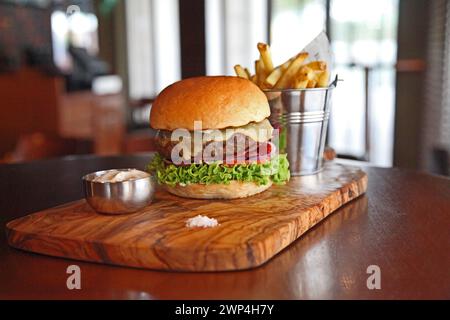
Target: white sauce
(112,176)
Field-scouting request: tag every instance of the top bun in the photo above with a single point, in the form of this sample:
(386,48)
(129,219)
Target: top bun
(219,102)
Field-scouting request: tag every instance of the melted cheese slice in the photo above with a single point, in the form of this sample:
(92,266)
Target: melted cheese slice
(259,132)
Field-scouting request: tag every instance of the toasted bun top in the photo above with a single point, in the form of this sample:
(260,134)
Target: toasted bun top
(219,102)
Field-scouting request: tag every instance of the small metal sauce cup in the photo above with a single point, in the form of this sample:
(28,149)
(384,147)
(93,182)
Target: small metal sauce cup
(118,197)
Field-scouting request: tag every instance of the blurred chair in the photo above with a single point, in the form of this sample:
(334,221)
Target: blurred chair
(140,137)
(139,141)
(441,162)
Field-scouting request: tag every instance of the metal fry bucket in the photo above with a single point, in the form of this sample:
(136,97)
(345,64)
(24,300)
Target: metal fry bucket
(302,117)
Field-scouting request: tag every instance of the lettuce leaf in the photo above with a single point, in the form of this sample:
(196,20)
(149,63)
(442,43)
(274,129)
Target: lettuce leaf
(277,170)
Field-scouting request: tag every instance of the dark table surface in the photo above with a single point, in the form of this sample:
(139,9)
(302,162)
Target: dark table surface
(401,225)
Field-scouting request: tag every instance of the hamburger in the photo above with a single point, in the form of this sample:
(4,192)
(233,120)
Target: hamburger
(214,140)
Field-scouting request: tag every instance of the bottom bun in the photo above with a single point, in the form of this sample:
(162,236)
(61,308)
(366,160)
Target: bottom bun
(234,190)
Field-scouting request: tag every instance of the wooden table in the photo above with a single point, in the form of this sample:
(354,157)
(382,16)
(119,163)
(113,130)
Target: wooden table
(401,225)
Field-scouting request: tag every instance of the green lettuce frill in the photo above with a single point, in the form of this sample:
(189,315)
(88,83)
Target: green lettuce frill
(277,170)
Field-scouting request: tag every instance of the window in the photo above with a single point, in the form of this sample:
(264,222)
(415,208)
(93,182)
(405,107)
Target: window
(233,28)
(363,37)
(364,42)
(153,46)
(294,24)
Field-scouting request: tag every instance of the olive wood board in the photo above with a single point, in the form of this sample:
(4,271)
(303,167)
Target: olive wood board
(251,231)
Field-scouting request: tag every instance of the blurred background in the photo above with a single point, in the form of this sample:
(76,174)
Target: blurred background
(79,77)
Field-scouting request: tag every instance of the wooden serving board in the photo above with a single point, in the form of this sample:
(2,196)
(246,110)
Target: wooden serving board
(251,231)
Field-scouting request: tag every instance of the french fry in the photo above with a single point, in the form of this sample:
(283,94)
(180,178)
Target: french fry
(248,73)
(276,74)
(260,72)
(266,57)
(324,79)
(300,84)
(311,84)
(294,73)
(288,76)
(317,65)
(257,72)
(286,65)
(240,72)
(306,73)
(262,65)
(273,78)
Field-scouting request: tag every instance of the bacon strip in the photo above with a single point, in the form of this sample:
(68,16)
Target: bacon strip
(242,150)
